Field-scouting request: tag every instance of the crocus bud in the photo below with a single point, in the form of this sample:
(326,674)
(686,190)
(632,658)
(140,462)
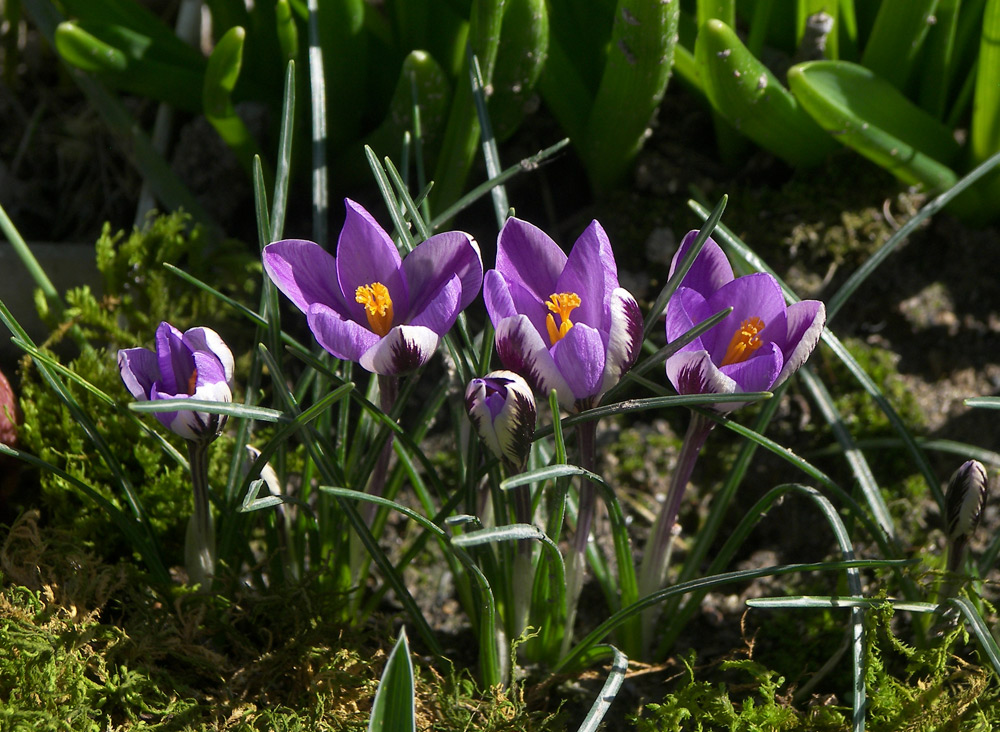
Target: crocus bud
(502,408)
(964,501)
(196,364)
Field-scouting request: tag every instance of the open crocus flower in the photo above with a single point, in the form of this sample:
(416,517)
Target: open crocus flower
(758,345)
(502,408)
(562,322)
(369,305)
(196,364)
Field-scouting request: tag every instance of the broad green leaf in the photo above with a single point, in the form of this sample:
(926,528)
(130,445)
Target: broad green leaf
(288,32)
(896,38)
(524,46)
(639,58)
(868,114)
(87,52)
(423,78)
(984,139)
(751,98)
(393,709)
(222,73)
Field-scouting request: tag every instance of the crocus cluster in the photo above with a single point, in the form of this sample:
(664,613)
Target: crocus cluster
(368,304)
(755,348)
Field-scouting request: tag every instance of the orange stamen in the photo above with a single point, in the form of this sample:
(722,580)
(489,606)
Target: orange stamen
(561,304)
(378,306)
(744,341)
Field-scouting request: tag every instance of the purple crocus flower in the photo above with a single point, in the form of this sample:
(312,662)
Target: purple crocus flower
(758,345)
(369,305)
(562,322)
(195,364)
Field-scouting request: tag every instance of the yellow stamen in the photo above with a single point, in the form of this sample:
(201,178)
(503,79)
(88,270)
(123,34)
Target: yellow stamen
(378,306)
(192,381)
(562,304)
(744,342)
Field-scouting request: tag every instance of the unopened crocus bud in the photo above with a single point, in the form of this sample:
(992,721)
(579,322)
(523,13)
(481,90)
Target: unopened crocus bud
(196,364)
(964,500)
(502,408)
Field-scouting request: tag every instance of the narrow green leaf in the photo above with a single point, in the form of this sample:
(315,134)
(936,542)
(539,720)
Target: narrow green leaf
(232,409)
(608,692)
(869,115)
(753,100)
(394,708)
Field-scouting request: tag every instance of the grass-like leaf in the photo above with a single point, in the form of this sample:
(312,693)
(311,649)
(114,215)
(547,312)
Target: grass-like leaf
(231,409)
(394,708)
(608,692)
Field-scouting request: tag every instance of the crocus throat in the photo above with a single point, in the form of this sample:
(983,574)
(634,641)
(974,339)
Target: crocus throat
(378,306)
(745,341)
(561,304)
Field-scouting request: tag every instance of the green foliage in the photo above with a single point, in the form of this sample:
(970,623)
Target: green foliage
(138,294)
(867,99)
(930,689)
(701,706)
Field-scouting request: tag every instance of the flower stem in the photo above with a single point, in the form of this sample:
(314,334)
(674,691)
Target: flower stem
(388,390)
(586,437)
(199,542)
(656,557)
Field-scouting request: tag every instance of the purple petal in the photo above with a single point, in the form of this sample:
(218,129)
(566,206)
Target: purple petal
(710,270)
(343,338)
(435,261)
(439,313)
(366,254)
(211,378)
(207,340)
(497,296)
(692,372)
(404,348)
(805,326)
(305,273)
(140,369)
(175,359)
(757,373)
(624,338)
(526,255)
(752,296)
(592,274)
(580,357)
(521,349)
(685,310)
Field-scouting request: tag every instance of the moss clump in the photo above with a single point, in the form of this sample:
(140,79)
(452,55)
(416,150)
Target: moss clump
(85,647)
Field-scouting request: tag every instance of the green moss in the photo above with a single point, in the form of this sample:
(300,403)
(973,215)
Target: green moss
(83,646)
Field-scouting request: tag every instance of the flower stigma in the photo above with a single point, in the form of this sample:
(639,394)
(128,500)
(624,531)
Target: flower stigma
(744,342)
(193,381)
(561,304)
(378,306)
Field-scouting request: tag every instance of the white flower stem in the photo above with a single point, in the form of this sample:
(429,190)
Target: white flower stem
(199,542)
(656,557)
